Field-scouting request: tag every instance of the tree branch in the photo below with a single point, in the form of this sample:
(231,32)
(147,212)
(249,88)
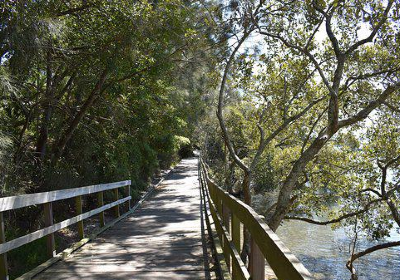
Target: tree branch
(374,30)
(371,106)
(339,219)
(74,10)
(373,249)
(391,107)
(286,123)
(313,34)
(302,50)
(328,26)
(224,130)
(61,143)
(371,190)
(350,80)
(312,129)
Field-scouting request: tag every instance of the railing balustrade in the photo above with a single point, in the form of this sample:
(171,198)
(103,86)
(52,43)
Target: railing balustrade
(231,216)
(47,198)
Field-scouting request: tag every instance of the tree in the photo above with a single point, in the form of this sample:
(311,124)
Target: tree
(73,65)
(345,78)
(366,196)
(344,72)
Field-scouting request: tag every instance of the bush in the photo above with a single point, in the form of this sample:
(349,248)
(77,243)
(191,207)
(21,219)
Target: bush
(168,147)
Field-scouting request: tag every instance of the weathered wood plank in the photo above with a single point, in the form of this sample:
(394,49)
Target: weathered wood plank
(222,269)
(129,265)
(163,240)
(48,221)
(235,230)
(10,245)
(137,275)
(67,252)
(100,203)
(241,271)
(78,209)
(3,257)
(257,262)
(132,252)
(116,207)
(15,202)
(226,221)
(128,193)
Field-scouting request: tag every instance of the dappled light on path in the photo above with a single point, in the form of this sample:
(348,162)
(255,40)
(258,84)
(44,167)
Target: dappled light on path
(161,240)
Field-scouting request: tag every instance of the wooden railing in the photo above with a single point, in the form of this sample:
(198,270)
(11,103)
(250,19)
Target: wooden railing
(230,217)
(47,198)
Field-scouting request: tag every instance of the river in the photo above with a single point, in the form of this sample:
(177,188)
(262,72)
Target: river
(324,252)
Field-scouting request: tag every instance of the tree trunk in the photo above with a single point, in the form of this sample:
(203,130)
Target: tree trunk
(78,117)
(47,110)
(284,200)
(44,133)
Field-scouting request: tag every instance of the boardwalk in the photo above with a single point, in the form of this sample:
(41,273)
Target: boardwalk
(161,240)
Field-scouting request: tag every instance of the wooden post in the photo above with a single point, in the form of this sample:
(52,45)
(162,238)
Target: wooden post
(48,221)
(116,208)
(226,218)
(257,262)
(3,257)
(210,191)
(100,203)
(78,207)
(236,232)
(218,204)
(128,193)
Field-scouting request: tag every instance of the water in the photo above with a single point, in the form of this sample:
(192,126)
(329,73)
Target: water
(324,252)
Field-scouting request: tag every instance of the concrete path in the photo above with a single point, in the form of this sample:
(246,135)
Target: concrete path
(161,240)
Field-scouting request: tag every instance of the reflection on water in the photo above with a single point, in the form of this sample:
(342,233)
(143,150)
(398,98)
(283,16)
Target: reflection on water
(324,252)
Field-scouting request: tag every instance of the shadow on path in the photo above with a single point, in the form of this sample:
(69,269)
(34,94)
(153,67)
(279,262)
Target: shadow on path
(164,239)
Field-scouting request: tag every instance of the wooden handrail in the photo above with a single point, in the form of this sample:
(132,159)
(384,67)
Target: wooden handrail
(47,198)
(227,210)
(25,200)
(17,242)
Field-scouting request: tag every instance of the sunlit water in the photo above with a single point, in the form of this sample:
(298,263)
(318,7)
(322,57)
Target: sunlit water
(324,252)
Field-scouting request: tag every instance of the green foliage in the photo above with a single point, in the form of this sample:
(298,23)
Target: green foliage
(100,91)
(312,112)
(264,176)
(167,147)
(5,167)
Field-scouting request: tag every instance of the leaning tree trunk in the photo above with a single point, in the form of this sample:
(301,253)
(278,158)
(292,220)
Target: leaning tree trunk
(284,200)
